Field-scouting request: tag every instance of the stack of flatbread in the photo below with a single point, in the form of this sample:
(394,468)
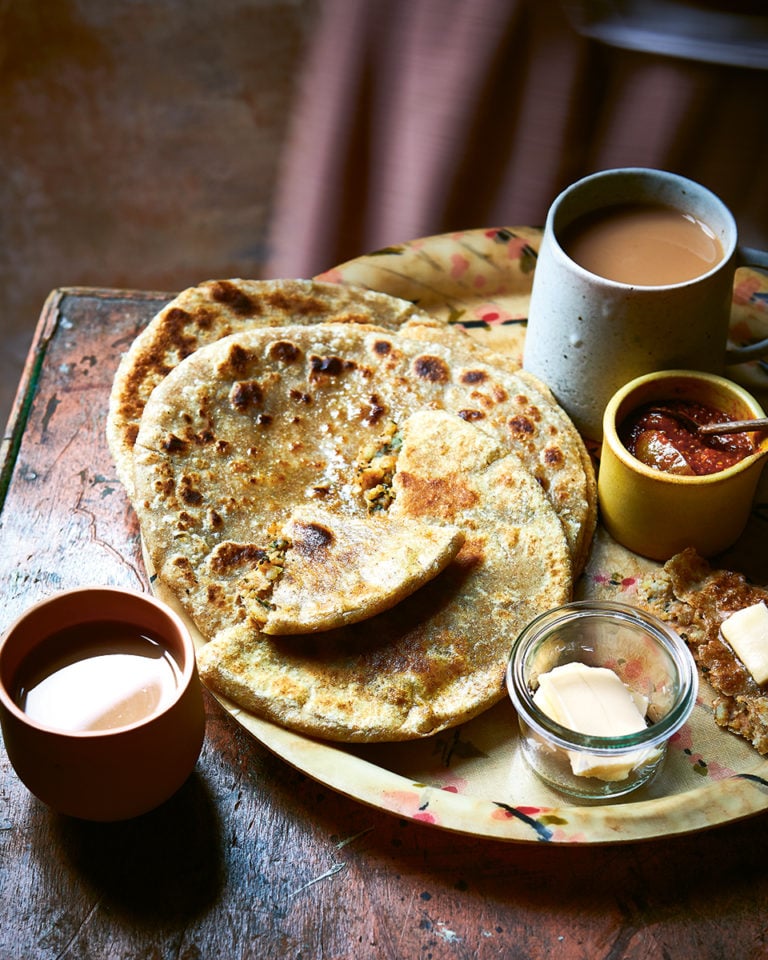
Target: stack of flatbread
(356,505)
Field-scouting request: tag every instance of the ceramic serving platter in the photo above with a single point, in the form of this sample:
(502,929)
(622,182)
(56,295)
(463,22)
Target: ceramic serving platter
(472,779)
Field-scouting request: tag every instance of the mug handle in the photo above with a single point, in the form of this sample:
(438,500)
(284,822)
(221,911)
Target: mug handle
(749,257)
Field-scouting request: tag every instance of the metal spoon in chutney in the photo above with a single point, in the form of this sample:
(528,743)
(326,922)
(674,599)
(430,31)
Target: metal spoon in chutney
(665,436)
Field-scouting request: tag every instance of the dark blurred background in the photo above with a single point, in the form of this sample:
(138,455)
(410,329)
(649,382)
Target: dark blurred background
(156,143)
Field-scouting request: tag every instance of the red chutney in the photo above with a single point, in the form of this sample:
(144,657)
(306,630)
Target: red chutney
(664,443)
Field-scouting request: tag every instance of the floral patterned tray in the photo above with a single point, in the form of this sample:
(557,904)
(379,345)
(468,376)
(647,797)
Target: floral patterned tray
(472,779)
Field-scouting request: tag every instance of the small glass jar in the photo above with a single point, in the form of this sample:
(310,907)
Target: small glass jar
(647,656)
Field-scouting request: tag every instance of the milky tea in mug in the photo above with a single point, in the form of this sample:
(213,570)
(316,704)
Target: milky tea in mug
(634,274)
(646,244)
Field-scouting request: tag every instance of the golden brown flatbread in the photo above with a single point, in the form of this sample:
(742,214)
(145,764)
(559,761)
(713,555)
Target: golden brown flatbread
(695,600)
(214,309)
(248,428)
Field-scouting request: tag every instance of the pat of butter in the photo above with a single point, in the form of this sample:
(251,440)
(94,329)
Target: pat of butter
(747,632)
(594,701)
(591,700)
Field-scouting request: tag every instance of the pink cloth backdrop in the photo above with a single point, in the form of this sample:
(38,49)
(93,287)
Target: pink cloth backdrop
(416,117)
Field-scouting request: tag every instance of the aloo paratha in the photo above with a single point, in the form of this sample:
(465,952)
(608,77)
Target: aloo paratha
(247,428)
(211,310)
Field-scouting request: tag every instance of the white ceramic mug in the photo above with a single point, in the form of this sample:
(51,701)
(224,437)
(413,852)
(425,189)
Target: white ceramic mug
(587,335)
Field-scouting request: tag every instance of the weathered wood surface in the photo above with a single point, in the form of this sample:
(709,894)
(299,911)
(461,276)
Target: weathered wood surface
(252,859)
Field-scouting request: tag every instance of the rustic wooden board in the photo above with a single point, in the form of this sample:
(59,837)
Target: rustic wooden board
(252,859)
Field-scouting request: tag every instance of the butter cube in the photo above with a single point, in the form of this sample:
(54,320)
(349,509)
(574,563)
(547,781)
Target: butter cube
(594,701)
(747,632)
(590,700)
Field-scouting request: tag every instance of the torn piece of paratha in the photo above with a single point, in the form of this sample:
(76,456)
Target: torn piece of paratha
(328,570)
(695,600)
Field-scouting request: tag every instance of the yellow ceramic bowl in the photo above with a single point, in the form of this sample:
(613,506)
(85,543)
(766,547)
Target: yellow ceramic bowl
(657,514)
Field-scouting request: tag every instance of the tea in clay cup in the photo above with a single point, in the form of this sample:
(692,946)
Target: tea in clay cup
(83,748)
(589,334)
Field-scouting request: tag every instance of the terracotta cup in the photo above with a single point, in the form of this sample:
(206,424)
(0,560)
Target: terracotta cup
(657,514)
(116,773)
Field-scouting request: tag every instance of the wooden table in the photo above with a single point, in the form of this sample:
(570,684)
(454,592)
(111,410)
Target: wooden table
(252,859)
